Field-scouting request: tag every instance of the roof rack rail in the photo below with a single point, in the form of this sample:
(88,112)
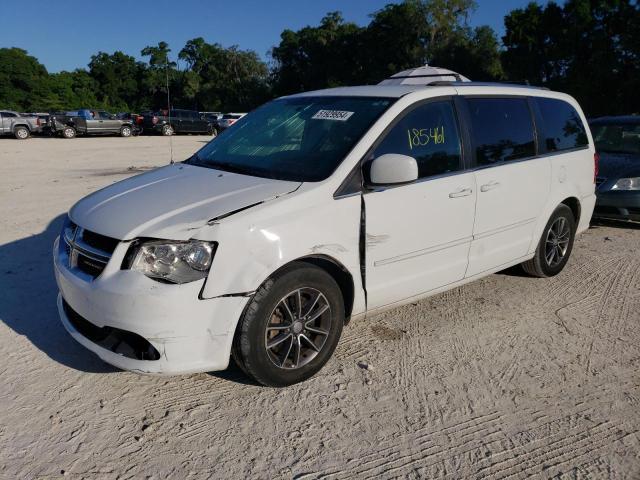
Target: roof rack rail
(433,75)
(489,84)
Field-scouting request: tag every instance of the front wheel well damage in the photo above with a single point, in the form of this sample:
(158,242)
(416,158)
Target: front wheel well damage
(337,271)
(342,277)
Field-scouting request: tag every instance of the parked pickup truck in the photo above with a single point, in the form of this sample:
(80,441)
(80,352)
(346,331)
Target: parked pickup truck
(89,122)
(180,121)
(18,125)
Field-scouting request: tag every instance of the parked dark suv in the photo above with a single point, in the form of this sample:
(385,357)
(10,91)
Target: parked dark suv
(179,121)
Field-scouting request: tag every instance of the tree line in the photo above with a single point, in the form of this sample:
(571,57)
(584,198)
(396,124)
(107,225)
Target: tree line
(588,48)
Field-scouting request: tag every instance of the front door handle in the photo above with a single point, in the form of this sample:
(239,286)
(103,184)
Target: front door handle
(463,192)
(489,186)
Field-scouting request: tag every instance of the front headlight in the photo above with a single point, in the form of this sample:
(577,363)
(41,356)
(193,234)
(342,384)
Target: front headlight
(175,262)
(627,184)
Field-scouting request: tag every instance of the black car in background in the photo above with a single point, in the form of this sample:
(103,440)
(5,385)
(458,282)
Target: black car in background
(177,121)
(617,141)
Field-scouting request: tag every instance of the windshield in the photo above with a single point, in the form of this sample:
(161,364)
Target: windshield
(299,139)
(617,137)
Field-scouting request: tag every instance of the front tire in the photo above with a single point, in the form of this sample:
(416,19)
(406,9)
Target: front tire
(69,132)
(167,130)
(21,133)
(555,245)
(291,326)
(125,131)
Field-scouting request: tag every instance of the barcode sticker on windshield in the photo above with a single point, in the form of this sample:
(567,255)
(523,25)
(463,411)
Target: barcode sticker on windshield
(338,115)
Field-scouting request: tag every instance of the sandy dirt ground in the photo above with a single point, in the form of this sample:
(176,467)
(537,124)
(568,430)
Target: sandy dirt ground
(508,377)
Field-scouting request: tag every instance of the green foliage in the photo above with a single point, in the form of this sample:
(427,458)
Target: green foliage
(589,48)
(218,78)
(318,57)
(118,76)
(23,80)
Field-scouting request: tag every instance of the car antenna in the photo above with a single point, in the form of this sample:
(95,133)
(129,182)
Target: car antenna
(166,71)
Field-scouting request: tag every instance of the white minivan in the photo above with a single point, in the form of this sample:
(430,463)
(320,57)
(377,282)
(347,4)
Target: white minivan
(318,208)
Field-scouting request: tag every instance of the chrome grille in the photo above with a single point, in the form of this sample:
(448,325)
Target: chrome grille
(80,252)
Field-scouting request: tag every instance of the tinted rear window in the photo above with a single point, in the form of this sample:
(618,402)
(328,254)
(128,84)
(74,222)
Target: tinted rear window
(562,127)
(617,137)
(502,129)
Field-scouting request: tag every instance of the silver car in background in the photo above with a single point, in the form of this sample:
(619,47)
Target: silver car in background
(19,125)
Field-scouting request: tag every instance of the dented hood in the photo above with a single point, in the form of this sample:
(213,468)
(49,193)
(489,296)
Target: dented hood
(172,201)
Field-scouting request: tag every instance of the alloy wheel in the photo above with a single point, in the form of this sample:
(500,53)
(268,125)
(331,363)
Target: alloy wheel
(557,242)
(298,328)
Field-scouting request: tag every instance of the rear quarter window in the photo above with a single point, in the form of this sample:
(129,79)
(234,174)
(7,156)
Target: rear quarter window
(562,128)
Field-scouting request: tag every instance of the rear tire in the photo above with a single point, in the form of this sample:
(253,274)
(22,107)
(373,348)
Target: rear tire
(300,313)
(21,133)
(125,131)
(69,132)
(555,245)
(167,130)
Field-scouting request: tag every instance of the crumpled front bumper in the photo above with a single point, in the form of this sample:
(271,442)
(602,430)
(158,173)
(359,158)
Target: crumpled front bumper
(191,335)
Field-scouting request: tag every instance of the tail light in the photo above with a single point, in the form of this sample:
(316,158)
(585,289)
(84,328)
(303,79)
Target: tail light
(231,122)
(154,120)
(596,166)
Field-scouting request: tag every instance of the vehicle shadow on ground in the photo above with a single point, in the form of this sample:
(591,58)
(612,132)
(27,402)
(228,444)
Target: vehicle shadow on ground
(517,271)
(619,224)
(28,295)
(234,374)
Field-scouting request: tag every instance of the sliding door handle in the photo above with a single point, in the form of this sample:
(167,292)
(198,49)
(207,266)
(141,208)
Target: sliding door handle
(463,192)
(489,186)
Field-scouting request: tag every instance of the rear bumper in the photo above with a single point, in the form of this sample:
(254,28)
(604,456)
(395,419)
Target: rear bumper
(189,334)
(618,206)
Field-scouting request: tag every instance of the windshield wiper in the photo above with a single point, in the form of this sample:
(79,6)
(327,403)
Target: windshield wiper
(218,165)
(193,160)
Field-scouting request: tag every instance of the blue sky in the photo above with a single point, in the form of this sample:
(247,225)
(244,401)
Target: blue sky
(63,34)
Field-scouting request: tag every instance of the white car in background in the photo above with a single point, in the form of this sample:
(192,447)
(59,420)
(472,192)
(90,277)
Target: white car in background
(318,208)
(229,119)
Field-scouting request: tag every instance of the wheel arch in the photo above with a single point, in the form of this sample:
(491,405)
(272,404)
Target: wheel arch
(25,125)
(574,204)
(335,269)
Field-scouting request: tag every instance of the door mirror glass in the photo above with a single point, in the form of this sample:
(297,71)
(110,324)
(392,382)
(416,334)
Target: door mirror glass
(393,169)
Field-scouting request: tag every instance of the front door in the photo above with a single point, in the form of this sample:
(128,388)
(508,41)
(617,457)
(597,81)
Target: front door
(513,185)
(108,123)
(418,235)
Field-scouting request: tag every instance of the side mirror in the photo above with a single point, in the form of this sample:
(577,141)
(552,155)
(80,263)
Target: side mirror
(393,169)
